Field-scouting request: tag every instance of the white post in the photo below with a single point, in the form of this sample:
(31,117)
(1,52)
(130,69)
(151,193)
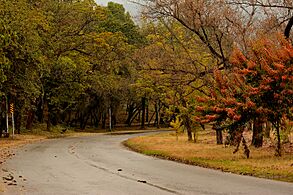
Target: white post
(7,131)
(12,117)
(110,119)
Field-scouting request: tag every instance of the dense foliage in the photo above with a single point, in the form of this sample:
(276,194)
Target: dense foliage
(259,86)
(64,61)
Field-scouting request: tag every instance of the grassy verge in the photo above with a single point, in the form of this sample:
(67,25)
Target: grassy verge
(206,153)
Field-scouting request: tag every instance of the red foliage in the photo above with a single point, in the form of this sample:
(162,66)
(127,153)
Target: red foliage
(201,99)
(259,85)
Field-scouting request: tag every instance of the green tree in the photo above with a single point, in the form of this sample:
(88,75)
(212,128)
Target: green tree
(172,59)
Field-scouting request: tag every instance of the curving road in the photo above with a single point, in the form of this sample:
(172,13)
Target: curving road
(101,165)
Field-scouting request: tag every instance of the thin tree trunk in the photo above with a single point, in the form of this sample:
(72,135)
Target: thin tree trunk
(147,113)
(188,127)
(104,120)
(157,110)
(69,118)
(143,103)
(134,116)
(81,120)
(288,28)
(49,116)
(110,118)
(130,113)
(150,120)
(267,129)
(219,136)
(278,148)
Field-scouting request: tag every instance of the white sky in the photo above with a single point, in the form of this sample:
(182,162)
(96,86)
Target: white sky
(132,8)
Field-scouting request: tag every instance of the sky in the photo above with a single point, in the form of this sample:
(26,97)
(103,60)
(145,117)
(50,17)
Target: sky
(132,8)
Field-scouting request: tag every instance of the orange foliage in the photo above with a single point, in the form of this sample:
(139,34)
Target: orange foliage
(260,84)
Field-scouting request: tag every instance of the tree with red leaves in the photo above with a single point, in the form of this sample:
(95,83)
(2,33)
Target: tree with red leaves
(259,86)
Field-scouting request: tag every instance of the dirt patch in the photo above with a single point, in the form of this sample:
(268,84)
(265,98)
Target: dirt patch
(2,187)
(8,145)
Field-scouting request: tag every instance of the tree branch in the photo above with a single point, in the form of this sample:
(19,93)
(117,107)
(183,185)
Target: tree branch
(288,28)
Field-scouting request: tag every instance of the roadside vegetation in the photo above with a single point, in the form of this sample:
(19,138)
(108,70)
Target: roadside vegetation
(207,153)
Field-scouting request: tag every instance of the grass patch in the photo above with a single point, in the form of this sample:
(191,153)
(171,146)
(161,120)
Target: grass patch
(206,153)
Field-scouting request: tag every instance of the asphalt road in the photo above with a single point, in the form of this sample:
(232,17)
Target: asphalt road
(101,165)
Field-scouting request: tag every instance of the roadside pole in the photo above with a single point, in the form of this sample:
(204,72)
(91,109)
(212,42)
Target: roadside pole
(12,118)
(110,119)
(7,128)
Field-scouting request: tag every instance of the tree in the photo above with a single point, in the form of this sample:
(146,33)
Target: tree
(268,9)
(63,58)
(20,54)
(174,63)
(118,20)
(259,87)
(217,25)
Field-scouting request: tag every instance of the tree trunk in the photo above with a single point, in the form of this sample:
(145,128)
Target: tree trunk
(147,114)
(110,119)
(114,120)
(97,118)
(150,120)
(68,119)
(2,125)
(81,120)
(29,120)
(143,102)
(130,114)
(104,120)
(219,136)
(288,28)
(257,137)
(278,148)
(157,124)
(194,137)
(188,127)
(40,110)
(267,129)
(49,116)
(85,121)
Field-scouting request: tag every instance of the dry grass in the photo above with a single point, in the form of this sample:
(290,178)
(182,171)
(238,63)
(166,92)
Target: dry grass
(207,153)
